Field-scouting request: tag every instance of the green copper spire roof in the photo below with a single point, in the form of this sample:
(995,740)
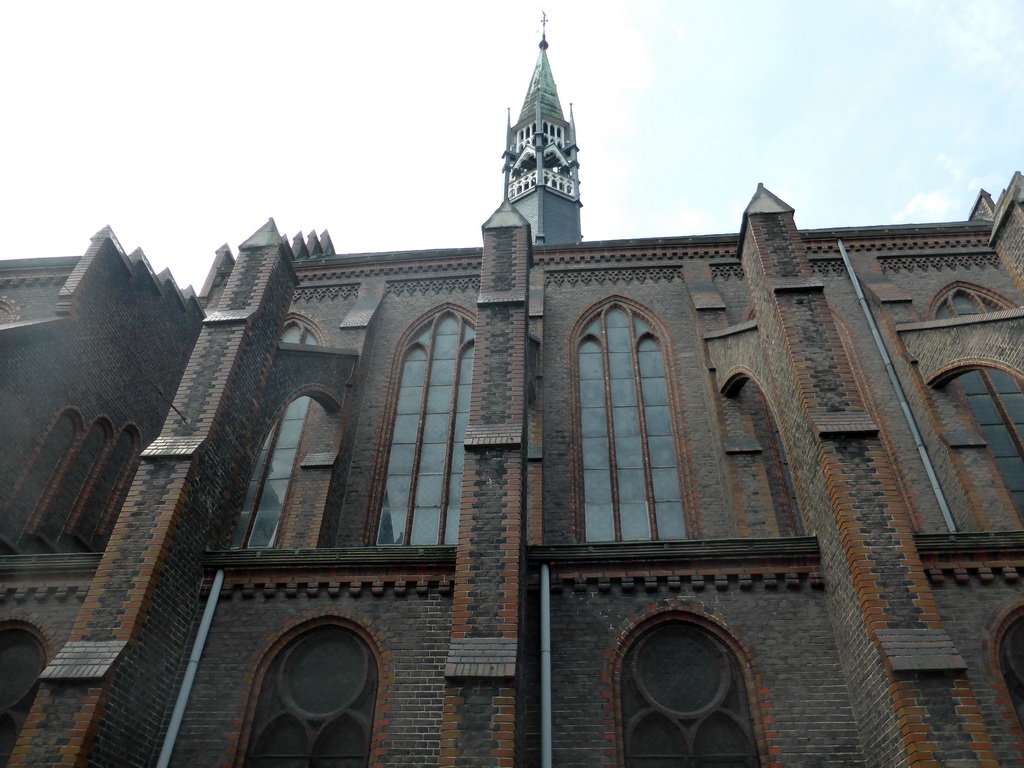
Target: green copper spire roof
(542,87)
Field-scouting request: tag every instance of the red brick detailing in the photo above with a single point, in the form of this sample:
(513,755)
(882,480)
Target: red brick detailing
(483,670)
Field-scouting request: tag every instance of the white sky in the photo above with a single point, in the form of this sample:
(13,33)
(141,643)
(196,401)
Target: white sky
(187,125)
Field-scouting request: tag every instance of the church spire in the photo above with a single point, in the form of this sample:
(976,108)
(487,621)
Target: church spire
(541,172)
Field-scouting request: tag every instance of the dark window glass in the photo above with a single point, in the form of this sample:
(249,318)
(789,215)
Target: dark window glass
(423,488)
(21,661)
(316,706)
(684,702)
(630,472)
(268,486)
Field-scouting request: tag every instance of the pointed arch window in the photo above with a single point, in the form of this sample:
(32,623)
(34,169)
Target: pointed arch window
(423,488)
(268,487)
(316,706)
(995,397)
(684,702)
(630,471)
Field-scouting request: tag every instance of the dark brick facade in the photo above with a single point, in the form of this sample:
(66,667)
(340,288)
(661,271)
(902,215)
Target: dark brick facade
(866,630)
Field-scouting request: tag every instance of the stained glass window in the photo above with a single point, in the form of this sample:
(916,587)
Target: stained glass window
(316,706)
(630,472)
(423,487)
(684,703)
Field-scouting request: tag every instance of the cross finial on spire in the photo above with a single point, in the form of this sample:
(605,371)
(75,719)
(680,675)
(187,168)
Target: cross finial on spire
(544,29)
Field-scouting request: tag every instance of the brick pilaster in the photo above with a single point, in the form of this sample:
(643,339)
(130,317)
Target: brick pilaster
(895,651)
(1008,229)
(483,668)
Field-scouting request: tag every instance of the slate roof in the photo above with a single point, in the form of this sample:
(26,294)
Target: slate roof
(542,86)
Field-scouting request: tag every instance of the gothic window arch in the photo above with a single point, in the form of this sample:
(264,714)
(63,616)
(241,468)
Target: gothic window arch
(423,486)
(21,661)
(959,299)
(760,423)
(101,497)
(684,702)
(316,704)
(268,485)
(995,397)
(631,485)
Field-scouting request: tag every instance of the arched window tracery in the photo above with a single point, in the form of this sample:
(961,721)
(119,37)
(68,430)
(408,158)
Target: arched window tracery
(317,702)
(268,486)
(762,426)
(630,468)
(423,487)
(684,702)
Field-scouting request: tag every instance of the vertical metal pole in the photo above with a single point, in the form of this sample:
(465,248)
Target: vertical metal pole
(190,672)
(545,666)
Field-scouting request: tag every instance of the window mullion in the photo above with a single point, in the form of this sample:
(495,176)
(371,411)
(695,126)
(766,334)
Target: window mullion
(609,408)
(418,452)
(644,445)
(257,498)
(446,471)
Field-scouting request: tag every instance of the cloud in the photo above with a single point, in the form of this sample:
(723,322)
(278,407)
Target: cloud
(925,207)
(951,166)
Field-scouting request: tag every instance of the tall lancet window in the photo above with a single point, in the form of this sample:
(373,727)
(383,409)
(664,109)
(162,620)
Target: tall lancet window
(268,486)
(423,488)
(630,472)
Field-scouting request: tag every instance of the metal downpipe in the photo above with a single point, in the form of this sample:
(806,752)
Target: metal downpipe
(545,666)
(190,672)
(929,468)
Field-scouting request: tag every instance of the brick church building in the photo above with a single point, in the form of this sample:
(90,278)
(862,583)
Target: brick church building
(751,499)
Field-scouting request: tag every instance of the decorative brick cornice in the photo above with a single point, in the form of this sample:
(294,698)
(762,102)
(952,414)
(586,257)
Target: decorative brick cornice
(612,276)
(674,566)
(367,266)
(976,557)
(350,572)
(42,591)
(323,293)
(727,271)
(938,262)
(828,267)
(72,562)
(435,286)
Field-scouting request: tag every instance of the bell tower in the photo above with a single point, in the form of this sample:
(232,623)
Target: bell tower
(541,172)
